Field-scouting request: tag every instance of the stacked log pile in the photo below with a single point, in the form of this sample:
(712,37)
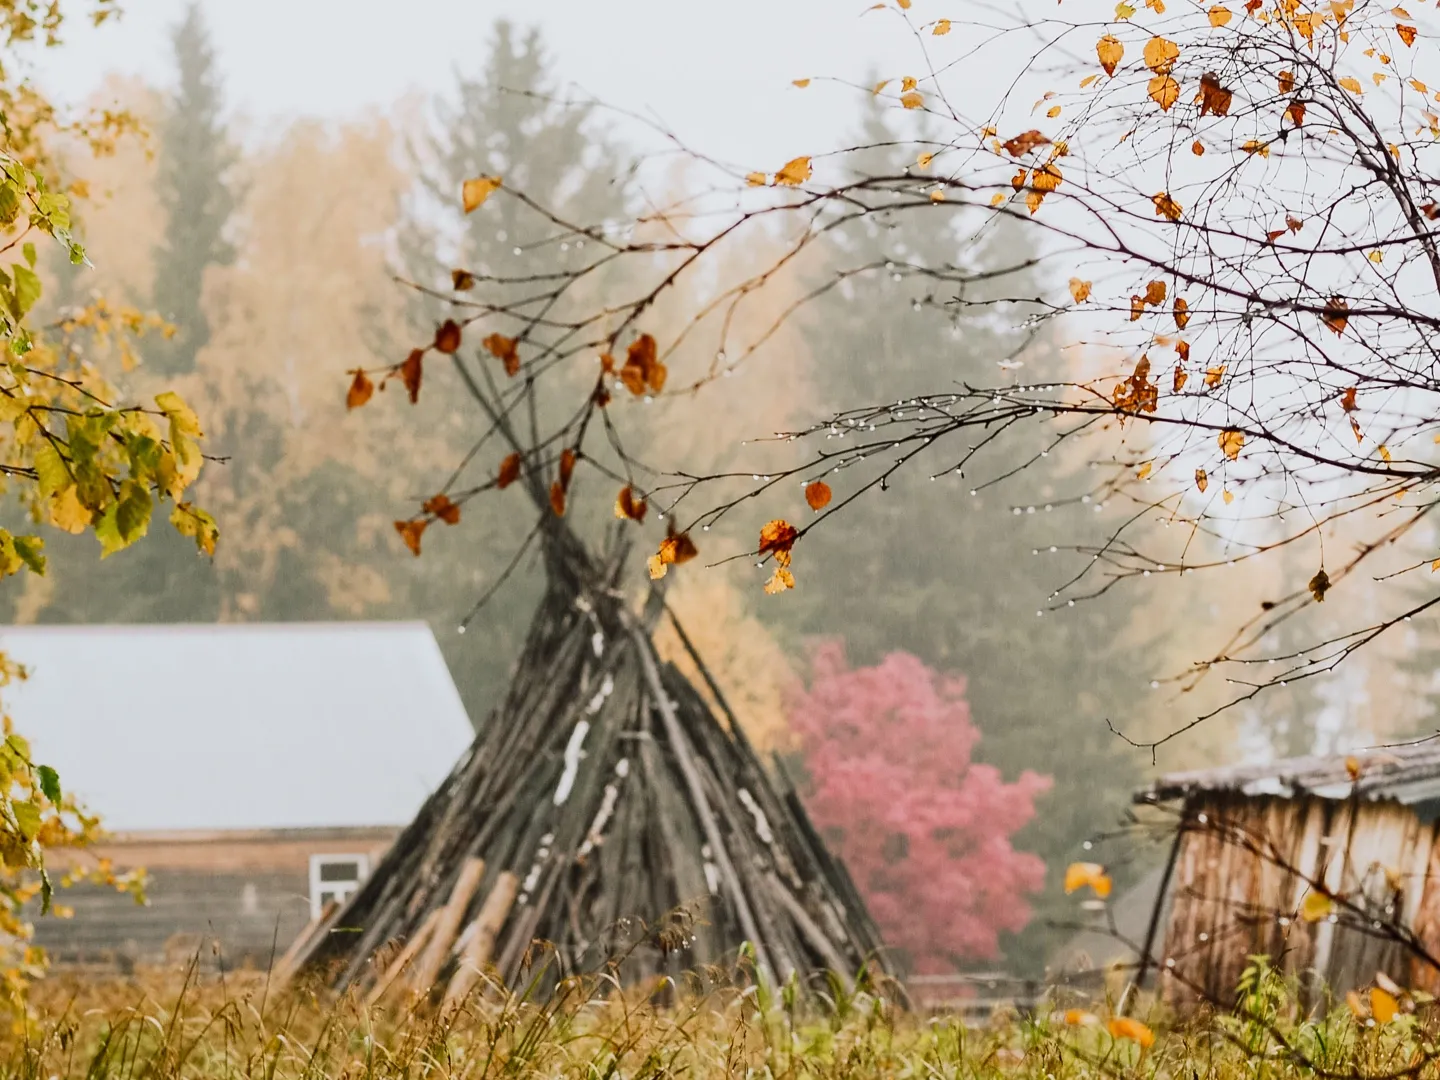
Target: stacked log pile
(600,800)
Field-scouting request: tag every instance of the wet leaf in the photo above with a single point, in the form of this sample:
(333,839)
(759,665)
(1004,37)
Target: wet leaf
(777,537)
(462,280)
(568,457)
(1214,375)
(509,471)
(1161,54)
(1407,33)
(1353,85)
(1110,52)
(441,506)
(941,28)
(1295,113)
(1202,479)
(1347,400)
(1081,875)
(756,179)
(411,372)
(1144,470)
(411,531)
(643,370)
(506,350)
(1180,379)
(1319,585)
(1155,293)
(781,580)
(361,390)
(1219,16)
(1231,442)
(1164,91)
(1025,142)
(628,506)
(557,498)
(1166,207)
(1079,290)
(1197,148)
(801,83)
(794,172)
(817,495)
(1353,767)
(924,160)
(1286,81)
(1181,312)
(913,100)
(675,549)
(474,192)
(447,338)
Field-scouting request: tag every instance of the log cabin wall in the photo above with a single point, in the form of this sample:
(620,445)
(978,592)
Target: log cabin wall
(241,896)
(1241,876)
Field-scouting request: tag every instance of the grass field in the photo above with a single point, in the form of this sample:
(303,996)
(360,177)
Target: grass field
(162,1026)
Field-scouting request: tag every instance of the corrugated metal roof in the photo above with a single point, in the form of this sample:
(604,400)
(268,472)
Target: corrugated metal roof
(240,726)
(1407,774)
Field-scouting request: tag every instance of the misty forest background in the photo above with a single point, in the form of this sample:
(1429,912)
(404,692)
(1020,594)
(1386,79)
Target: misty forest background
(273,251)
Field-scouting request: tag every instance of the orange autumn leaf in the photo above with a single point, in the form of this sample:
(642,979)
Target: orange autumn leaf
(628,506)
(1137,393)
(777,537)
(476,191)
(1383,1005)
(675,549)
(1316,906)
(1219,16)
(441,506)
(509,471)
(817,494)
(1347,400)
(1161,54)
(801,83)
(756,179)
(794,172)
(1080,290)
(1213,98)
(1166,207)
(1124,1027)
(1182,312)
(1230,442)
(1336,314)
(1155,293)
(506,350)
(557,498)
(361,390)
(780,580)
(1214,375)
(1286,81)
(411,372)
(567,467)
(941,28)
(1407,33)
(1197,148)
(1164,91)
(643,370)
(1202,480)
(1026,141)
(462,280)
(1080,875)
(1080,1018)
(913,100)
(1180,379)
(1110,52)
(411,531)
(1295,113)
(1137,307)
(447,337)
(1353,85)
(1183,348)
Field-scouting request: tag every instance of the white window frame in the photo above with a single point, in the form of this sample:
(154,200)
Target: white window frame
(337,889)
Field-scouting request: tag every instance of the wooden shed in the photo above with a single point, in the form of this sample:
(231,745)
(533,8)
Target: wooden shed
(253,771)
(1329,866)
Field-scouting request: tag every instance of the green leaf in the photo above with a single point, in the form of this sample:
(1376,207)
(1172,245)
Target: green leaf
(9,204)
(47,891)
(50,469)
(27,289)
(125,520)
(29,252)
(49,783)
(27,817)
(192,521)
(30,548)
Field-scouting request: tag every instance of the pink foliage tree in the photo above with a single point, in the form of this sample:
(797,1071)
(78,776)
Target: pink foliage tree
(924,830)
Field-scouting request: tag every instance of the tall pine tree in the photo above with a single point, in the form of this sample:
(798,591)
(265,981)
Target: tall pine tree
(195,159)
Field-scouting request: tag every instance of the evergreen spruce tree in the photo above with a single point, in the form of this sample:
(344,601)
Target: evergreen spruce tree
(195,158)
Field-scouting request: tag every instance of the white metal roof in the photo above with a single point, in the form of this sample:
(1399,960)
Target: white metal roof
(235,726)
